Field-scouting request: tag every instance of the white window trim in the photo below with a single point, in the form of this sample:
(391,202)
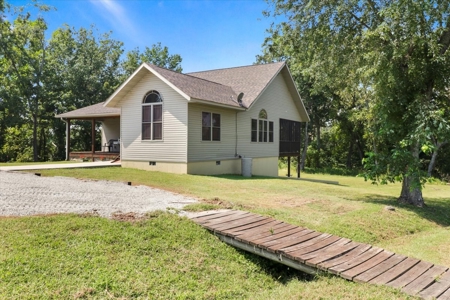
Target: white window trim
(151,115)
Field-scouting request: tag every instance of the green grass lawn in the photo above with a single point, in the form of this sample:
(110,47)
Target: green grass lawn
(166,256)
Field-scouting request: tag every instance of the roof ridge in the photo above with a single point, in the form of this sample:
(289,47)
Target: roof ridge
(191,76)
(238,67)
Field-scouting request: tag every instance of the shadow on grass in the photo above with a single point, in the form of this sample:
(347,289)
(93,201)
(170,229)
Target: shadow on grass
(239,177)
(254,177)
(436,210)
(279,272)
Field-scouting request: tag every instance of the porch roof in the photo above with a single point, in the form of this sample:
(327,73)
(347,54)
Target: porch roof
(92,111)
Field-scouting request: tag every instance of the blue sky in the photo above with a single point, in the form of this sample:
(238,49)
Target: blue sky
(207,34)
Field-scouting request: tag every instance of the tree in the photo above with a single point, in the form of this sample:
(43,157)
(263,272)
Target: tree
(156,55)
(85,70)
(22,57)
(393,52)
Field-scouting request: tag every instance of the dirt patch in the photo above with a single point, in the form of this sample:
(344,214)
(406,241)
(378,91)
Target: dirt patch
(128,217)
(221,203)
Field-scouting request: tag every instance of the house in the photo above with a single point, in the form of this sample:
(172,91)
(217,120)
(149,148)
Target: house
(202,122)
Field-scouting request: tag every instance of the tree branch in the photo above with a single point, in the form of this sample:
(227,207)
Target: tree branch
(445,38)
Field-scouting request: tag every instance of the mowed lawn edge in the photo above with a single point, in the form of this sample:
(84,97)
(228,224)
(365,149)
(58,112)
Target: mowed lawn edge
(354,209)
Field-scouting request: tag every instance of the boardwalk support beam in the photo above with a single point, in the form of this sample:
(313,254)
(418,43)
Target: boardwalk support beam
(272,256)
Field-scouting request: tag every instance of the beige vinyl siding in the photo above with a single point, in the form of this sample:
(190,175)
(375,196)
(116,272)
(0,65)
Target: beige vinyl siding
(278,103)
(199,150)
(173,146)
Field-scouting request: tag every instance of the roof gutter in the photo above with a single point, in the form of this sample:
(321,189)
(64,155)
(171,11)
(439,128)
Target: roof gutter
(217,104)
(88,116)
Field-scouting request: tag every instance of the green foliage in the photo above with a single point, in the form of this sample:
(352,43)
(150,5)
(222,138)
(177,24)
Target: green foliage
(40,78)
(156,55)
(17,144)
(443,164)
(386,67)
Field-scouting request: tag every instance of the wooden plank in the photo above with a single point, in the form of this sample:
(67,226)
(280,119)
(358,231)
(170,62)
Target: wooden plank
(324,250)
(247,219)
(444,296)
(380,268)
(308,250)
(242,229)
(262,231)
(439,287)
(331,253)
(424,280)
(202,219)
(314,247)
(294,239)
(276,237)
(256,230)
(410,275)
(396,271)
(355,261)
(368,264)
(310,241)
(196,215)
(286,239)
(266,254)
(360,249)
(220,220)
(268,233)
(211,214)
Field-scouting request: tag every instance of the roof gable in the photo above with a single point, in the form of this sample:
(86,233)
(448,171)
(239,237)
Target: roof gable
(250,80)
(190,87)
(199,88)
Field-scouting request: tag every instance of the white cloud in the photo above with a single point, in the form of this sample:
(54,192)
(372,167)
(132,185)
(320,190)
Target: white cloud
(117,16)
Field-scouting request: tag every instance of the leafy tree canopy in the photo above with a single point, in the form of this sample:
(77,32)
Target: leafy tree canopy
(393,56)
(156,55)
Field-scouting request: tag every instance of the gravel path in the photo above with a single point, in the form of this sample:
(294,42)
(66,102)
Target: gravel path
(27,194)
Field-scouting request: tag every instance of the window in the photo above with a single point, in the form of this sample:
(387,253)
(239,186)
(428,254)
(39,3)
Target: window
(210,127)
(152,116)
(262,130)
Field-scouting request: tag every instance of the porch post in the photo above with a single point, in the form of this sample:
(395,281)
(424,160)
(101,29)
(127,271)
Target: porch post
(298,166)
(289,166)
(68,139)
(93,138)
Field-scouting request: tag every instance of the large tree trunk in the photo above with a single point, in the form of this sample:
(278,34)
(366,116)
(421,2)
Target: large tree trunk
(411,187)
(350,153)
(305,148)
(410,195)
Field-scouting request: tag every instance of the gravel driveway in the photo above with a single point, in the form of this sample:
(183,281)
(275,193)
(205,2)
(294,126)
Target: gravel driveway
(27,194)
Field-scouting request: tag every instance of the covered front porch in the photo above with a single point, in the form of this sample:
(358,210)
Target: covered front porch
(109,119)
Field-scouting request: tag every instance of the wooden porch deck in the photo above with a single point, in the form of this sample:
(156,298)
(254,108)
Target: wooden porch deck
(313,252)
(96,156)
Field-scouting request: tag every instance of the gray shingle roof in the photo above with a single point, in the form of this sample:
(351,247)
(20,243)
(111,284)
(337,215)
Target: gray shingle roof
(199,88)
(91,111)
(220,86)
(251,80)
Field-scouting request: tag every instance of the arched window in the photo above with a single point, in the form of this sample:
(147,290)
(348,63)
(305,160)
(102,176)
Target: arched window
(262,130)
(152,116)
(263,114)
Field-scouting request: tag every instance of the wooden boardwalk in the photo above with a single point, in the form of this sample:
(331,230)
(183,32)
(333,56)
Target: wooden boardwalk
(313,252)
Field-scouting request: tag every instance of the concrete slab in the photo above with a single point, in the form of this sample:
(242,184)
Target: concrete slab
(96,164)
